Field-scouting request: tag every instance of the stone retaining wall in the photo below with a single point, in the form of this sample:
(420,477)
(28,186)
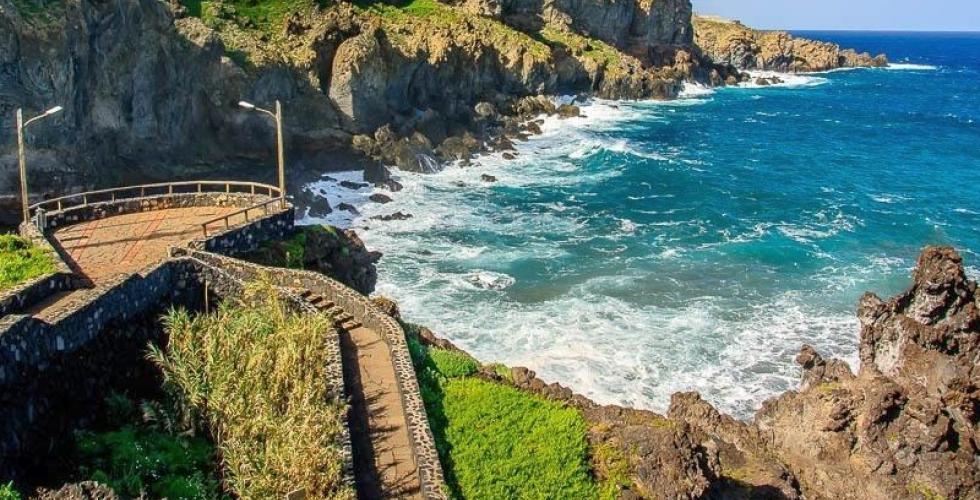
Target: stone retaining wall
(41,371)
(27,294)
(247,238)
(423,443)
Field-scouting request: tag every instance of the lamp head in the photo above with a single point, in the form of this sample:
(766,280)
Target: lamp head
(54,110)
(246,105)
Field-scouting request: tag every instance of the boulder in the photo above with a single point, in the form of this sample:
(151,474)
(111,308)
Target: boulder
(380,198)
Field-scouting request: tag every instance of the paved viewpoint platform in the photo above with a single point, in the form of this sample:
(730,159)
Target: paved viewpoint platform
(125,244)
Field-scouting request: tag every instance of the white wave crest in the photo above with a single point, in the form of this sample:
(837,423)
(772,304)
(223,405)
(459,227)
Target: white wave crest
(910,67)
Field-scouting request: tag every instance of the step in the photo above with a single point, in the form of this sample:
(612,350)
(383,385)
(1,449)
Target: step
(306,294)
(350,325)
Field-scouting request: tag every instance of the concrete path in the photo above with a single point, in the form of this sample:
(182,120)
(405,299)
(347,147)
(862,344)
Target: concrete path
(125,244)
(384,465)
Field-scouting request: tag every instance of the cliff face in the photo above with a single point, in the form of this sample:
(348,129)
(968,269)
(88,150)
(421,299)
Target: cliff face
(148,85)
(731,43)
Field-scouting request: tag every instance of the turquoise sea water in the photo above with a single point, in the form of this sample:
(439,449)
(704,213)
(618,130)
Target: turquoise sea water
(650,248)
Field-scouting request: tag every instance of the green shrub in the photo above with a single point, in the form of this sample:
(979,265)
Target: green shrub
(135,460)
(8,492)
(255,374)
(496,441)
(20,261)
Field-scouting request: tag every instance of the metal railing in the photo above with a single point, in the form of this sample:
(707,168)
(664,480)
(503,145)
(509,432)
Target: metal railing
(245,211)
(159,189)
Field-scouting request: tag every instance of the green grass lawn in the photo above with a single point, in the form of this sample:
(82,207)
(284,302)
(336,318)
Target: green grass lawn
(496,441)
(20,261)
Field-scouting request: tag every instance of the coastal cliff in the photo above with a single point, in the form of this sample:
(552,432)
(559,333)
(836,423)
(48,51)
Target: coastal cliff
(728,42)
(155,85)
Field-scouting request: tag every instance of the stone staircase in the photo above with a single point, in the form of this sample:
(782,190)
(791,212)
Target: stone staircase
(342,319)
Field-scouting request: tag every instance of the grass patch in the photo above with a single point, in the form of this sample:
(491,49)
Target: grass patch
(253,374)
(496,441)
(21,261)
(41,11)
(589,48)
(418,21)
(265,15)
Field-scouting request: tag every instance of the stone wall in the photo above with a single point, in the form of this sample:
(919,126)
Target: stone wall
(38,289)
(352,302)
(247,238)
(109,208)
(42,371)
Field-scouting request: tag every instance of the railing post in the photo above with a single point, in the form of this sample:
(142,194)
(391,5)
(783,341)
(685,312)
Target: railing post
(85,200)
(204,227)
(198,187)
(59,205)
(253,188)
(142,192)
(227,187)
(170,189)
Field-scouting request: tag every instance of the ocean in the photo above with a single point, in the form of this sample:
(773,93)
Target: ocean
(695,245)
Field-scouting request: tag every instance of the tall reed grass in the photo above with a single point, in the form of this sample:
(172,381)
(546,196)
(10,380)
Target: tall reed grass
(253,374)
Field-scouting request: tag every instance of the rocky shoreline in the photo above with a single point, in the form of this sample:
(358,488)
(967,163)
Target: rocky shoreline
(905,426)
(411,85)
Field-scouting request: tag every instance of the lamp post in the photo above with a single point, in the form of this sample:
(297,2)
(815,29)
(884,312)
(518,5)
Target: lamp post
(22,155)
(277,116)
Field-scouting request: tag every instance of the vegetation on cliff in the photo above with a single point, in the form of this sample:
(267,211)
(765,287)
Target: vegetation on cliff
(20,261)
(496,441)
(252,374)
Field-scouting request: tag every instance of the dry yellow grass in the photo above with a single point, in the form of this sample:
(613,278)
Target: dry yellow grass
(255,374)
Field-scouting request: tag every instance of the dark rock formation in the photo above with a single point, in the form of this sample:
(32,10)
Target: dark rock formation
(337,253)
(907,424)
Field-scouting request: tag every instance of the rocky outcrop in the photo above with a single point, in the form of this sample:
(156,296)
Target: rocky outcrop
(731,43)
(907,424)
(334,252)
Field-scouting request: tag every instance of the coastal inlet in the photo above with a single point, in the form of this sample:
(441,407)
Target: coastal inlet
(650,248)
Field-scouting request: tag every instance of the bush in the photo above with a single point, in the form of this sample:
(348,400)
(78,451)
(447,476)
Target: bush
(496,441)
(8,492)
(135,460)
(20,261)
(255,375)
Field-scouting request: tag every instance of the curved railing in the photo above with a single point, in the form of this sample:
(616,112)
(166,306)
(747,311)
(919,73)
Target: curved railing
(111,195)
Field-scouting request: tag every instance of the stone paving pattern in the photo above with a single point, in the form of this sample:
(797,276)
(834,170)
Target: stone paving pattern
(125,244)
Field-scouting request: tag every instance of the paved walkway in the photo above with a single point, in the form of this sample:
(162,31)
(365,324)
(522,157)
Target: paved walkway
(125,244)
(384,465)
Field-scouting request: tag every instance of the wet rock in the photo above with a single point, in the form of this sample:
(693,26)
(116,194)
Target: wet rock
(569,111)
(387,306)
(394,216)
(487,178)
(380,198)
(337,253)
(347,207)
(509,155)
(762,82)
(379,175)
(354,185)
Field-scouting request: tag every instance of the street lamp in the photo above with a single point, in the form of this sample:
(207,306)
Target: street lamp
(22,156)
(277,116)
